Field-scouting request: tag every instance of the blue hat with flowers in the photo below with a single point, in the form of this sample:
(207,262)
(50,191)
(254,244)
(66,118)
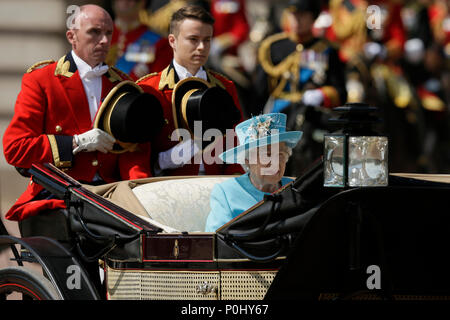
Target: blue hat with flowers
(260,131)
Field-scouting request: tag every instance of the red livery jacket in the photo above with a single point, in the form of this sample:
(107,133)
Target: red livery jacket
(162,84)
(231,21)
(50,108)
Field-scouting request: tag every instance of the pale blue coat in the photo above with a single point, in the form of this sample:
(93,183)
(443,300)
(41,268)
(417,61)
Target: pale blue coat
(232,197)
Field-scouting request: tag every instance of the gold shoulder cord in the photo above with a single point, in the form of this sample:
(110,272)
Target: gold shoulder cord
(146,76)
(286,70)
(266,61)
(39,64)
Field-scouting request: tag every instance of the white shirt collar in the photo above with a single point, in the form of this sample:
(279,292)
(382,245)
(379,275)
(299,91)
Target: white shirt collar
(183,73)
(83,67)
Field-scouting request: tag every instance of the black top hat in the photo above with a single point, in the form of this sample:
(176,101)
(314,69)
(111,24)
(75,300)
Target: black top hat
(130,116)
(194,99)
(312,6)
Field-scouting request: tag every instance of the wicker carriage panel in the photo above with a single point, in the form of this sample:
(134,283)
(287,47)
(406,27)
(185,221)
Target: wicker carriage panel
(161,285)
(245,285)
(123,285)
(188,285)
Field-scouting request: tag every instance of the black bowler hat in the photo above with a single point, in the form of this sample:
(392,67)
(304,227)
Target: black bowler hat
(312,6)
(130,115)
(195,99)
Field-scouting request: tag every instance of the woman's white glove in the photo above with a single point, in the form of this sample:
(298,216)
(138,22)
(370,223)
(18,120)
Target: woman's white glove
(313,97)
(93,140)
(178,155)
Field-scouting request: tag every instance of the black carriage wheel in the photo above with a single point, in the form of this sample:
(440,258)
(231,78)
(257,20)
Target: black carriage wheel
(31,285)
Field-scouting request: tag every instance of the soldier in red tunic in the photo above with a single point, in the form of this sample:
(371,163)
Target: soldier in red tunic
(54,116)
(190,36)
(135,49)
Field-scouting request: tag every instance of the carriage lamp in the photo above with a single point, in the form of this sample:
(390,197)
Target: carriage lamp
(355,156)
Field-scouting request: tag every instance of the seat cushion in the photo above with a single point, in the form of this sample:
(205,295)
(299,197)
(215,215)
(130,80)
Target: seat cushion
(182,204)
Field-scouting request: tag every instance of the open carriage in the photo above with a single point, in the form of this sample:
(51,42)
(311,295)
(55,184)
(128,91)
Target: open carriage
(305,241)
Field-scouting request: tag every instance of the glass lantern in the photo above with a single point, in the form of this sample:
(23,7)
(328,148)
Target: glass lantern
(357,157)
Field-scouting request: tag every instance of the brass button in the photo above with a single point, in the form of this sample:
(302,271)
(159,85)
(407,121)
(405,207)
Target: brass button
(299,47)
(166,121)
(58,128)
(95,162)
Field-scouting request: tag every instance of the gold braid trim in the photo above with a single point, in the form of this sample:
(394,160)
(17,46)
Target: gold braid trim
(54,148)
(214,80)
(62,68)
(145,77)
(55,153)
(265,59)
(39,64)
(167,78)
(286,70)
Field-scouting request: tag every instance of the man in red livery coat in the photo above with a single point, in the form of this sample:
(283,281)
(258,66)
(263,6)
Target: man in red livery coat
(190,37)
(135,49)
(54,113)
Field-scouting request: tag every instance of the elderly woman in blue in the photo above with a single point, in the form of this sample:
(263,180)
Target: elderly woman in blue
(264,148)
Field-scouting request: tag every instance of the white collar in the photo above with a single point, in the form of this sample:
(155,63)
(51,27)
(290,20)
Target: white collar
(183,73)
(84,68)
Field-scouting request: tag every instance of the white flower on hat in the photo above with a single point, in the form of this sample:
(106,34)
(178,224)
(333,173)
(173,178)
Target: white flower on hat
(259,129)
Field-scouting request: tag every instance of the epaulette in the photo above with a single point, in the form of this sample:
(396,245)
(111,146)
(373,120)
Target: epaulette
(216,78)
(146,76)
(121,73)
(39,64)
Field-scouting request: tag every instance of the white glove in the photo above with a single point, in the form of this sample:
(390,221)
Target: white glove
(414,50)
(313,97)
(93,140)
(178,155)
(374,49)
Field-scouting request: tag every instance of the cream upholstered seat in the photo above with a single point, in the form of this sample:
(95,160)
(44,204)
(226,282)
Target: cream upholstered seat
(181,204)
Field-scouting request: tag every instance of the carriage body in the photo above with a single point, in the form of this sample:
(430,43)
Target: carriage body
(318,243)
